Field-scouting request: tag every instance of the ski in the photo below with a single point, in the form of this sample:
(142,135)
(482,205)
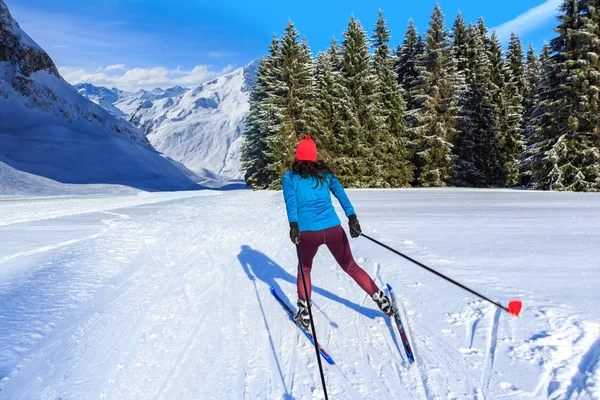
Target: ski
(409,352)
(290,312)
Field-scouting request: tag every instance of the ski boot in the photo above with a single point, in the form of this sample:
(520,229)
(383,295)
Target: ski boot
(384,303)
(302,317)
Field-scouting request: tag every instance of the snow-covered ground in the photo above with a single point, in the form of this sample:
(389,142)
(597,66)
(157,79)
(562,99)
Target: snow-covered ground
(167,296)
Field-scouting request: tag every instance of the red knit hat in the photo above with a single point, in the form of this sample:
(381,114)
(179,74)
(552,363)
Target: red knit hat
(306,150)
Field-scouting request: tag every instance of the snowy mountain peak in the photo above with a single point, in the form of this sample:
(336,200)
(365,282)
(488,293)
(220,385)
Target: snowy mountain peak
(19,50)
(88,90)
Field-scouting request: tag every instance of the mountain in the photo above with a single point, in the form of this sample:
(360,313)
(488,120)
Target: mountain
(102,96)
(48,129)
(129,103)
(201,127)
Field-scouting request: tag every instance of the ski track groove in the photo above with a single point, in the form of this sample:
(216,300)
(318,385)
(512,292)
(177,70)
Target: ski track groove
(187,345)
(367,355)
(490,351)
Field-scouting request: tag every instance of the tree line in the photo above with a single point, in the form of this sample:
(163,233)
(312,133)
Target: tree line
(448,108)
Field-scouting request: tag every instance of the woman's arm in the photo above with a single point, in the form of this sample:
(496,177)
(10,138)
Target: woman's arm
(340,194)
(289,196)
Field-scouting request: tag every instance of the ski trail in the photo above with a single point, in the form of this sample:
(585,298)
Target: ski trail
(415,372)
(490,352)
(419,366)
(191,340)
(588,364)
(51,247)
(291,364)
(367,353)
(274,352)
(66,243)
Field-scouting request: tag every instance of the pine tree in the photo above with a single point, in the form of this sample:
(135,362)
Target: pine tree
(498,173)
(360,111)
(511,138)
(566,155)
(328,122)
(462,52)
(533,77)
(294,95)
(534,134)
(475,143)
(437,107)
(395,168)
(335,55)
(263,123)
(406,67)
(531,107)
(460,45)
(407,55)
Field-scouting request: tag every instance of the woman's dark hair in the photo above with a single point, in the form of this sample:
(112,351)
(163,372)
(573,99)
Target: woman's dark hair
(315,169)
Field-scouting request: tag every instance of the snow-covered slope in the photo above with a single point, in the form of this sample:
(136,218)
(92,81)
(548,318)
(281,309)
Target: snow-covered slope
(48,129)
(161,296)
(201,128)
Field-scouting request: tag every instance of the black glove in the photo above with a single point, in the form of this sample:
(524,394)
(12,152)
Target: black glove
(294,233)
(354,226)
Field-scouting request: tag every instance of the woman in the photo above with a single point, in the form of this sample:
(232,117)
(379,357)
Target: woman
(313,222)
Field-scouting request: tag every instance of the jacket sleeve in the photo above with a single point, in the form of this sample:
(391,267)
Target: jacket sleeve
(340,194)
(289,196)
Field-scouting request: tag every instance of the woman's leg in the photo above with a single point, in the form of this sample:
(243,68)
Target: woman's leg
(309,244)
(337,242)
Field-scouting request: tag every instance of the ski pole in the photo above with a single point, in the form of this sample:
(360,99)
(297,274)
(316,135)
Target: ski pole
(514,306)
(312,323)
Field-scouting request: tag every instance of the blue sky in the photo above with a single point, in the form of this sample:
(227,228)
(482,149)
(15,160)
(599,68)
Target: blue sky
(135,44)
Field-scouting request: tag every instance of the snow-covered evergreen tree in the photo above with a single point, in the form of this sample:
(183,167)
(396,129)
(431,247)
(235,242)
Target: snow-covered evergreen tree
(475,143)
(533,133)
(461,52)
(511,136)
(264,122)
(497,168)
(328,119)
(395,166)
(407,57)
(566,154)
(406,67)
(294,96)
(437,105)
(533,77)
(460,45)
(531,107)
(360,112)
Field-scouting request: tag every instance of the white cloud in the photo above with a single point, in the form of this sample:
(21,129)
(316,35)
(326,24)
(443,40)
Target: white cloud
(219,54)
(529,20)
(142,78)
(115,67)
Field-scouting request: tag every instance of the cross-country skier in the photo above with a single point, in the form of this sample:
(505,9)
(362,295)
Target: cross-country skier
(313,222)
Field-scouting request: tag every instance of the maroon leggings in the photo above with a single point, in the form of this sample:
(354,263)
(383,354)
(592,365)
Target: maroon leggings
(337,242)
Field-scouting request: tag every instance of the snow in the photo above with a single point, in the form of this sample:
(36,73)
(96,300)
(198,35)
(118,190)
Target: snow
(15,182)
(166,295)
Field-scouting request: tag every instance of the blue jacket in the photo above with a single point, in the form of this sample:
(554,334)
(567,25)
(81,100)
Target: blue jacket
(309,204)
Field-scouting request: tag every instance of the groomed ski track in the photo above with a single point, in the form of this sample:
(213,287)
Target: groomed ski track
(167,296)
